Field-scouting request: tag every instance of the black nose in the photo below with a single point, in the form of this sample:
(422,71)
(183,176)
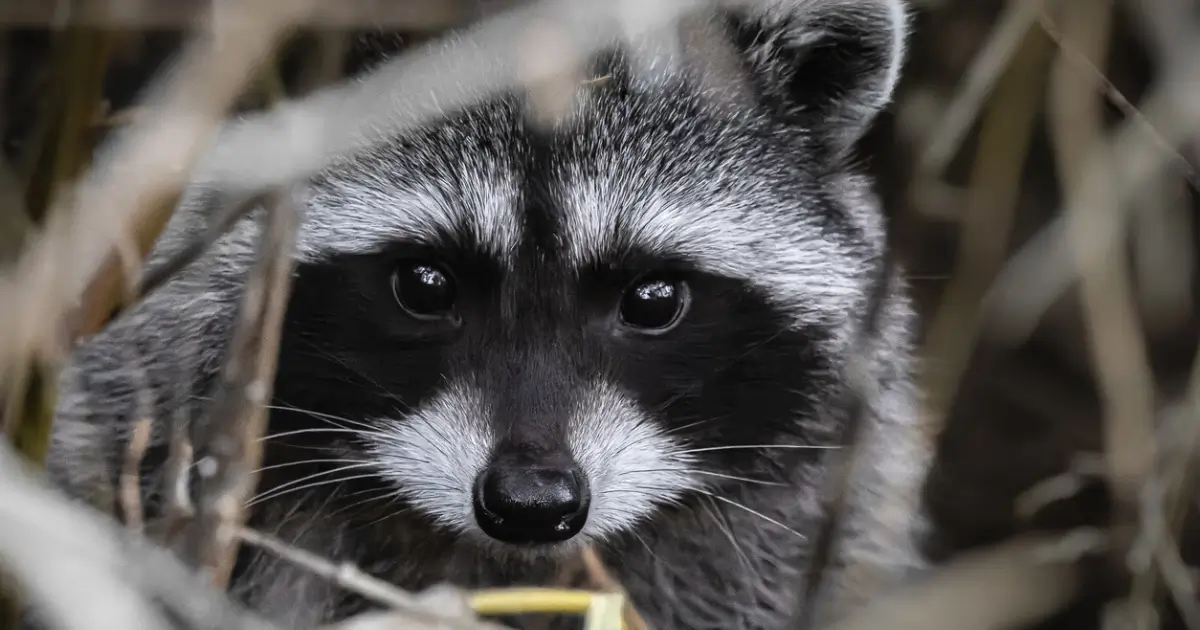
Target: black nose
(530,504)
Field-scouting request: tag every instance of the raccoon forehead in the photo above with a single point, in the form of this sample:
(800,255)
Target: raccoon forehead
(452,187)
(795,257)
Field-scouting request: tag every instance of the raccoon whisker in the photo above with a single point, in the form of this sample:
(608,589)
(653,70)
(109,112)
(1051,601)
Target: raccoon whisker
(664,495)
(442,439)
(657,561)
(722,523)
(346,422)
(340,421)
(761,482)
(272,494)
(736,447)
(385,517)
(272,436)
(298,482)
(359,373)
(308,461)
(754,512)
(686,426)
(373,495)
(691,389)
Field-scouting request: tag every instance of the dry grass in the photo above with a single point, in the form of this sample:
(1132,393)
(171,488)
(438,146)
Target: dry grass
(1042,62)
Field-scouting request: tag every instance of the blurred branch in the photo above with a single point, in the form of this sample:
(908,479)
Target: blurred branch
(231,451)
(66,124)
(991,205)
(353,579)
(131,191)
(185,14)
(298,138)
(1041,271)
(78,568)
(218,226)
(1007,586)
(988,66)
(1119,354)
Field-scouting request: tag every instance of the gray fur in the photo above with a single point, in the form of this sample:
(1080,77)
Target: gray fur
(704,564)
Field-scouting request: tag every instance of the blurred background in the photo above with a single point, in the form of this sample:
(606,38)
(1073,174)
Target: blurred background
(986,162)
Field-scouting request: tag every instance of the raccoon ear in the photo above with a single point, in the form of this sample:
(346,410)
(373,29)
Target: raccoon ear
(829,66)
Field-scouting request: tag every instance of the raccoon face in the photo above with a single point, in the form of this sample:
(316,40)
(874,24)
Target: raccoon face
(543,335)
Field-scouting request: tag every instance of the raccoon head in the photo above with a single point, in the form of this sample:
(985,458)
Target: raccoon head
(539,335)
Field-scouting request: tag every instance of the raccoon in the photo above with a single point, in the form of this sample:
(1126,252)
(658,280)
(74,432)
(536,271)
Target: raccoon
(632,329)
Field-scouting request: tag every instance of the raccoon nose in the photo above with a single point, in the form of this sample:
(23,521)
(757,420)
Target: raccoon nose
(530,504)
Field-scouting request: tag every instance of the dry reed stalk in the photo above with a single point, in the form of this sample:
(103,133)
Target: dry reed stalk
(989,65)
(1041,271)
(987,221)
(297,139)
(155,14)
(600,578)
(1001,588)
(130,482)
(63,153)
(355,580)
(1119,355)
(130,193)
(230,452)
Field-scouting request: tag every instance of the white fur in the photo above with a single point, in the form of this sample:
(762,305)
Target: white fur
(631,465)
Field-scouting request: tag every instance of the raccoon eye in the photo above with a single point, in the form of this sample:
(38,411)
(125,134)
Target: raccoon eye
(654,303)
(424,290)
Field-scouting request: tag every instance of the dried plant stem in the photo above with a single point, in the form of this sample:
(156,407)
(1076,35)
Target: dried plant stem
(1041,271)
(29,414)
(78,88)
(301,136)
(1006,39)
(1023,581)
(130,482)
(156,14)
(178,509)
(600,578)
(987,222)
(1118,347)
(1080,60)
(353,579)
(231,451)
(217,227)
(131,192)
(253,29)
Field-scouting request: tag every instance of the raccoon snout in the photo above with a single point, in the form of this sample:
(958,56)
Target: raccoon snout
(531,504)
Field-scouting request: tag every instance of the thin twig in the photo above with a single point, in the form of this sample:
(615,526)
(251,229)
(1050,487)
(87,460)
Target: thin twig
(298,138)
(600,578)
(81,570)
(178,509)
(1022,581)
(231,452)
(987,222)
(131,190)
(1081,61)
(131,480)
(218,227)
(986,69)
(1041,271)
(155,14)
(353,579)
